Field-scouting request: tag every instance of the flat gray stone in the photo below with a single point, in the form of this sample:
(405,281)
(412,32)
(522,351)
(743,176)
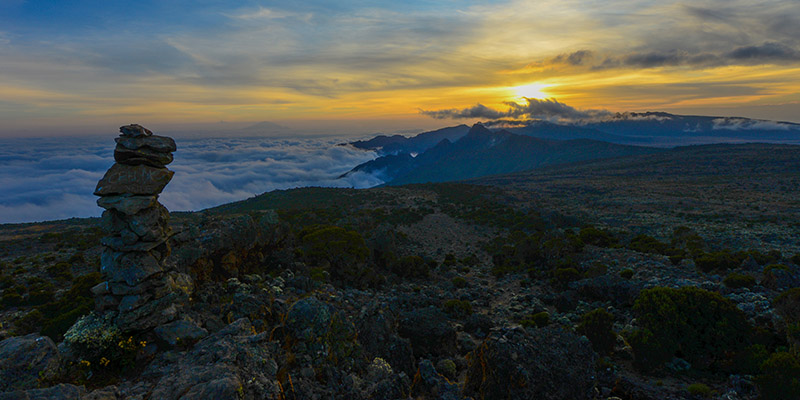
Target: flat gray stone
(121,245)
(126,204)
(142,155)
(180,331)
(133,179)
(156,143)
(131,268)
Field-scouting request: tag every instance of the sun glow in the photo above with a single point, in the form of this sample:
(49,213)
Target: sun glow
(532,90)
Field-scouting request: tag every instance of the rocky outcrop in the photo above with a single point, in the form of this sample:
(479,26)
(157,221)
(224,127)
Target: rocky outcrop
(545,363)
(138,287)
(26,359)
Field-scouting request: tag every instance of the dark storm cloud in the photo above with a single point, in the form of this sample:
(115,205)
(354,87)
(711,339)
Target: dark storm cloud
(575,58)
(769,51)
(45,179)
(544,109)
(476,111)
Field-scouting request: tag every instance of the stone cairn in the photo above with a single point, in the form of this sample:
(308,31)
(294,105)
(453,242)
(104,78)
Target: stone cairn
(138,290)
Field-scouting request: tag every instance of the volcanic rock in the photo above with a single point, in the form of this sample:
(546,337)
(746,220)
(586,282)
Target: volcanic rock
(134,130)
(545,363)
(130,179)
(155,143)
(126,204)
(143,155)
(25,360)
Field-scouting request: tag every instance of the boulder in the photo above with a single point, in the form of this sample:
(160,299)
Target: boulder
(133,179)
(430,384)
(61,391)
(25,359)
(308,319)
(180,332)
(230,364)
(429,331)
(378,336)
(545,363)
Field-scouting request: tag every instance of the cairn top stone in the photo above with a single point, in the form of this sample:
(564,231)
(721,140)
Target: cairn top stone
(134,130)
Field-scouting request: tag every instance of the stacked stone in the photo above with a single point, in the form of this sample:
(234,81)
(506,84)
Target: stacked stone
(138,288)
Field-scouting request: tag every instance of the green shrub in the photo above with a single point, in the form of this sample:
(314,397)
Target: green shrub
(449,260)
(95,342)
(459,282)
(796,259)
(703,327)
(699,390)
(735,281)
(342,251)
(77,301)
(770,257)
(780,377)
(718,261)
(61,270)
(788,304)
(470,260)
(538,320)
(769,268)
(647,244)
(411,267)
(566,275)
(597,326)
(597,269)
(597,237)
(457,307)
(626,273)
(11,299)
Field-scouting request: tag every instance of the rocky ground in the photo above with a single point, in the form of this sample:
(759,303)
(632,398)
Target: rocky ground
(423,292)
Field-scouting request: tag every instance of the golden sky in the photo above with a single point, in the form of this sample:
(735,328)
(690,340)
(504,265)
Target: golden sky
(354,66)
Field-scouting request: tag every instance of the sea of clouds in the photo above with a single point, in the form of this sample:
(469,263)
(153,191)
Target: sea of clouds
(53,178)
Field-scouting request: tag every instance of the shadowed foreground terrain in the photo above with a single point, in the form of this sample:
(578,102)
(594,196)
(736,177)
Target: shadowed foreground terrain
(664,276)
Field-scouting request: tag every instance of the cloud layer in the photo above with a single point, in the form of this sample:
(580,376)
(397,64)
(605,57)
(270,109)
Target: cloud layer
(45,179)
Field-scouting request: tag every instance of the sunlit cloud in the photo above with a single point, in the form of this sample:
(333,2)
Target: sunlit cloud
(163,62)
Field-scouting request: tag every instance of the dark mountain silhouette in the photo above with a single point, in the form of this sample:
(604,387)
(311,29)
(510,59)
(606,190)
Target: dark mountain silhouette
(400,144)
(482,152)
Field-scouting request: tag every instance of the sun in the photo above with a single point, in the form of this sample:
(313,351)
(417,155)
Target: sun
(531,90)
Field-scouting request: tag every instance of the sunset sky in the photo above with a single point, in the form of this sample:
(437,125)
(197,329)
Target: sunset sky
(85,66)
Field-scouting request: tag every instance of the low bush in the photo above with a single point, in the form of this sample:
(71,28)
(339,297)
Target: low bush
(703,327)
(597,237)
(722,260)
(411,267)
(780,377)
(566,275)
(98,345)
(736,280)
(597,326)
(457,308)
(626,273)
(647,244)
(538,320)
(459,282)
(699,390)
